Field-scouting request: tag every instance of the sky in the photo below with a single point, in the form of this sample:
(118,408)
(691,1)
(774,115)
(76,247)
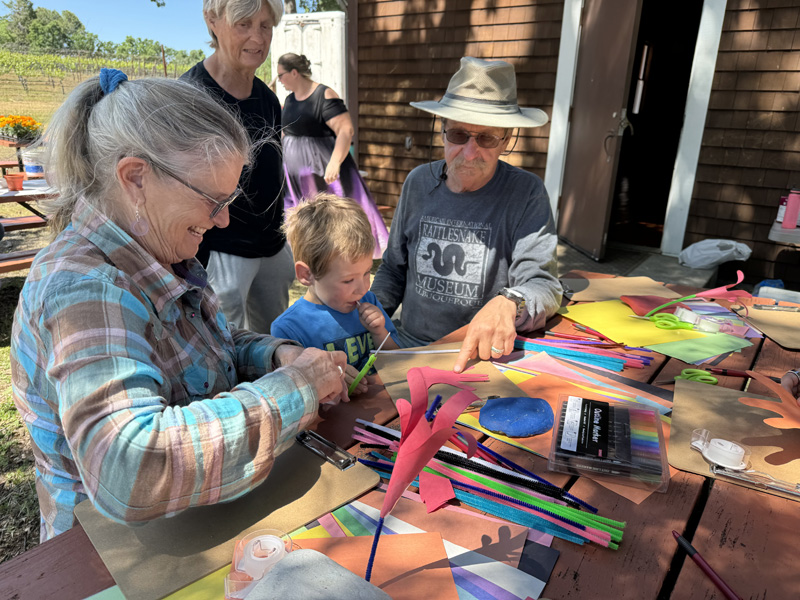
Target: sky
(178,25)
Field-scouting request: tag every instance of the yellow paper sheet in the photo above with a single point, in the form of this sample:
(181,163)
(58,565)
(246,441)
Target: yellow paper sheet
(612,318)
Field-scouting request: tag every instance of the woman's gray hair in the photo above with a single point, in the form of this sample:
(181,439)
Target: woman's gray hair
(236,10)
(164,121)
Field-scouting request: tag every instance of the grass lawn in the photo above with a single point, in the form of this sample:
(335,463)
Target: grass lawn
(19,508)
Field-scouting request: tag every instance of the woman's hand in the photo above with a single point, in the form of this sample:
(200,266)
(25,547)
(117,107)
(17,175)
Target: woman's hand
(325,371)
(285,354)
(350,373)
(332,172)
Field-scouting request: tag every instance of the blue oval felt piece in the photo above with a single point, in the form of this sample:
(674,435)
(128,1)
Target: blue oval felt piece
(517,417)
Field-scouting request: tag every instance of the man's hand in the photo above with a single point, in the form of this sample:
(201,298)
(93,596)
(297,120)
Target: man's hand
(492,327)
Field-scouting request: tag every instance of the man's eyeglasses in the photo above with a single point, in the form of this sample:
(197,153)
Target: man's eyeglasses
(483,139)
(217,204)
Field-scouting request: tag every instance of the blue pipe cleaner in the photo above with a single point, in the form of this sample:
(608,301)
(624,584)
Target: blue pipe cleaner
(110,79)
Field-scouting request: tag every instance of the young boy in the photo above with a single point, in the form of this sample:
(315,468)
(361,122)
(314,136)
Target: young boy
(332,242)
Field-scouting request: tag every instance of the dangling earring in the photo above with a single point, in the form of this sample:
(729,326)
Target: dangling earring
(140,227)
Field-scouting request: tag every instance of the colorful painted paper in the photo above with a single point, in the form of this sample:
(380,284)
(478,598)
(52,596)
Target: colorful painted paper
(474,573)
(412,566)
(612,318)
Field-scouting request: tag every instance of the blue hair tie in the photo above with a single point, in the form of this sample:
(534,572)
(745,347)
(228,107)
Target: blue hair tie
(110,79)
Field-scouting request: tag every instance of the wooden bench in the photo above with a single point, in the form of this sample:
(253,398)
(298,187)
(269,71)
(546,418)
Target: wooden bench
(5,165)
(26,222)
(15,261)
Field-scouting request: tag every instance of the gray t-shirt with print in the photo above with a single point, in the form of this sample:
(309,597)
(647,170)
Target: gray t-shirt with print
(450,253)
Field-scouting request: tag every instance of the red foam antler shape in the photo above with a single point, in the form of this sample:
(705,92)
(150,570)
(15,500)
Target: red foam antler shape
(419,439)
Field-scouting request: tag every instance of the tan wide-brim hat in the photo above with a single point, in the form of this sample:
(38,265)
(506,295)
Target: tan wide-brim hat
(484,92)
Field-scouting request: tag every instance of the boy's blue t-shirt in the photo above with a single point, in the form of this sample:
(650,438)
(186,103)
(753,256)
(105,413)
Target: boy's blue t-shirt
(318,326)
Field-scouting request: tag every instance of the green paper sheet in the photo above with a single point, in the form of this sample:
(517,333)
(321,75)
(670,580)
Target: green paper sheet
(692,351)
(112,593)
(612,318)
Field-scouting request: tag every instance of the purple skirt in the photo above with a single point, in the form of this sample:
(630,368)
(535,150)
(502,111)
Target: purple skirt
(304,162)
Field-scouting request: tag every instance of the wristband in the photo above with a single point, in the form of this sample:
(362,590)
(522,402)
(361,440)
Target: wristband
(796,373)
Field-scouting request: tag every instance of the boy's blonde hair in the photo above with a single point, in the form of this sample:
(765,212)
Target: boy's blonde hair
(327,226)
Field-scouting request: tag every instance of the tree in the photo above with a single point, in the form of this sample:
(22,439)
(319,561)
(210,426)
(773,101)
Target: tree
(319,5)
(105,49)
(53,30)
(18,20)
(138,47)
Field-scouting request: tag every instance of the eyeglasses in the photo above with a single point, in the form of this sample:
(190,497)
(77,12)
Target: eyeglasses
(218,206)
(483,139)
(281,75)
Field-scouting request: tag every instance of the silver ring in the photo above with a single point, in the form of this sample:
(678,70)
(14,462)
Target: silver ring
(341,373)
(497,351)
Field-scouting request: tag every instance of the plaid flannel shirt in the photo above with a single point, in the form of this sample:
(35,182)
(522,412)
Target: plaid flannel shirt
(135,392)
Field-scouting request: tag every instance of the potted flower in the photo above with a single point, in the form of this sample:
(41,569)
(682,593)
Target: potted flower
(19,128)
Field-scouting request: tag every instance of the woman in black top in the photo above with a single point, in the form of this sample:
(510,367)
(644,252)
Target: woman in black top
(249,264)
(317,131)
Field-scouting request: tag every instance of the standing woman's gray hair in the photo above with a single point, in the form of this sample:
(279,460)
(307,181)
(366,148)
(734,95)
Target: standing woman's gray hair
(237,10)
(163,121)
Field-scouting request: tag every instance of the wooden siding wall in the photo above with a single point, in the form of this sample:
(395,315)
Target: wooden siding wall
(409,49)
(750,155)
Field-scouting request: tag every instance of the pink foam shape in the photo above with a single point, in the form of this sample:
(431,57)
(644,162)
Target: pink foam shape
(435,491)
(422,378)
(420,441)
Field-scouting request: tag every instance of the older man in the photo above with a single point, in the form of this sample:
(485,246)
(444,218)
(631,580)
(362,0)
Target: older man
(472,240)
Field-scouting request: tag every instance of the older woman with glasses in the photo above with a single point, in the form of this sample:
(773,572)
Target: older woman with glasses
(473,240)
(136,391)
(249,263)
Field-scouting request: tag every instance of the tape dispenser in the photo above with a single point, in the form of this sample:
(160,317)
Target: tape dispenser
(732,460)
(721,452)
(253,557)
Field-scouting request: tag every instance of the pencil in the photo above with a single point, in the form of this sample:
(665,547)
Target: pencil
(705,567)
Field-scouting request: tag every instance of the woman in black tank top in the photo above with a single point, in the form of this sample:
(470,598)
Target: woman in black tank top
(317,132)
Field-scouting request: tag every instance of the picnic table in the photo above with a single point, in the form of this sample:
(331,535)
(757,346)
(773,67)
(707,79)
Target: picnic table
(32,191)
(749,537)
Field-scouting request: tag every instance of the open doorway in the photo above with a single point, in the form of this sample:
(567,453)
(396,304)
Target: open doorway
(661,67)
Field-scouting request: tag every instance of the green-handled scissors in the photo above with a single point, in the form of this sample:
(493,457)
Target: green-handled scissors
(367,367)
(698,375)
(669,321)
